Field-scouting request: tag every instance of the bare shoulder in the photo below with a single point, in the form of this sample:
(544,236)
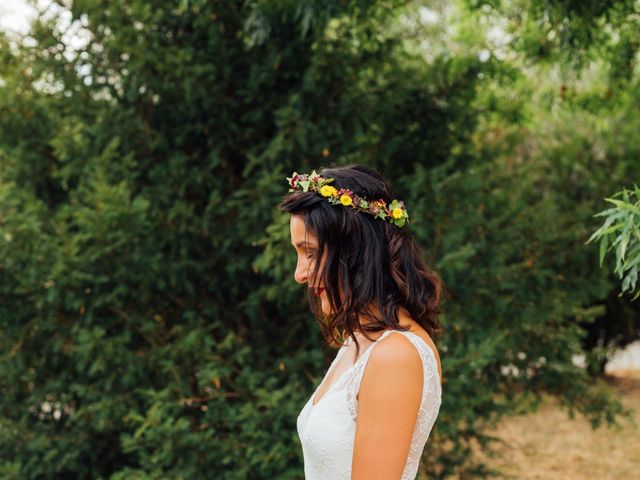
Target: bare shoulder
(396,349)
(394,360)
(389,401)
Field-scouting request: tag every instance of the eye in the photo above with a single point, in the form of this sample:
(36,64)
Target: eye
(310,255)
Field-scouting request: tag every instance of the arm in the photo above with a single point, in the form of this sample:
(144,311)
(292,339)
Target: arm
(388,403)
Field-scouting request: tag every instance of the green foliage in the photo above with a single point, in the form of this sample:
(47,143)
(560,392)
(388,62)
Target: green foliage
(621,232)
(150,326)
(573,32)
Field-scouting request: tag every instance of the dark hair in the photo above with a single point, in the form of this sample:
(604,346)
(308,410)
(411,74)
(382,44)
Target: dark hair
(371,260)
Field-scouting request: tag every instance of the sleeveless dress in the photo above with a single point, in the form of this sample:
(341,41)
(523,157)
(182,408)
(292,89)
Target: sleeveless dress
(327,429)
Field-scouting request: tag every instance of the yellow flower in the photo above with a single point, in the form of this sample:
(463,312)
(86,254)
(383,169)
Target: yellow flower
(345,200)
(328,191)
(397,213)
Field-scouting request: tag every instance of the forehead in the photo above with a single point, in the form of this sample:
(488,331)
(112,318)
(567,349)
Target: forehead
(299,232)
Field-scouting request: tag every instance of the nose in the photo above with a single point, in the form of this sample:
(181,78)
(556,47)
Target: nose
(302,272)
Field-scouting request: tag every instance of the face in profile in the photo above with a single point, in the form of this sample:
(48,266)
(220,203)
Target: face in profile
(306,246)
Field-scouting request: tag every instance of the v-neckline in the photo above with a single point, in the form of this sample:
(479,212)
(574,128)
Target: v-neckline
(330,387)
(333,383)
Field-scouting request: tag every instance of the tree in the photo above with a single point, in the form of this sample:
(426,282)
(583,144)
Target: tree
(151,324)
(621,231)
(583,57)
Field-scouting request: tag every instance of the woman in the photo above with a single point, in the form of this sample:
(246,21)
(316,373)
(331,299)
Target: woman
(371,415)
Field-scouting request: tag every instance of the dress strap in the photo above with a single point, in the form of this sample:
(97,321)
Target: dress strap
(354,380)
(431,379)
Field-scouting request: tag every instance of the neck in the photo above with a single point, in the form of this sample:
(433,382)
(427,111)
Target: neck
(404,319)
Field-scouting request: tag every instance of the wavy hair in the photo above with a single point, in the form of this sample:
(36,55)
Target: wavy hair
(370,262)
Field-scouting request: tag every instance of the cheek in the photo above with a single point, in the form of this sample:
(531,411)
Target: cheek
(311,265)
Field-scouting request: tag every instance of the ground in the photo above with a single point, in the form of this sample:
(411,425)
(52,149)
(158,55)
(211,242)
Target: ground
(549,445)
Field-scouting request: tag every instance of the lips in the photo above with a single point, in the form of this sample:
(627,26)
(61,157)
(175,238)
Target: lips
(318,291)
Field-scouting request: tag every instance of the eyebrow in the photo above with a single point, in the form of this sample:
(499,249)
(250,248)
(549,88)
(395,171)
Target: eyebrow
(304,242)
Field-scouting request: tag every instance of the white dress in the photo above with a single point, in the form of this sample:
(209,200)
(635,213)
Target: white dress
(327,429)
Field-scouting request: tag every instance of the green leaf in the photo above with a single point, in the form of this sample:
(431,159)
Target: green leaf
(603,248)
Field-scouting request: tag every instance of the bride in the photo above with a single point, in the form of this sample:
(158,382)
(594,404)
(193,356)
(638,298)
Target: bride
(371,415)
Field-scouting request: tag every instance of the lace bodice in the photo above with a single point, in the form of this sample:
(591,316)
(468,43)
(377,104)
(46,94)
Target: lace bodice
(327,429)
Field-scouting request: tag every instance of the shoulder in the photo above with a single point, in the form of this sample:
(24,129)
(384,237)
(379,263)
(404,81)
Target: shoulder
(395,353)
(394,365)
(389,402)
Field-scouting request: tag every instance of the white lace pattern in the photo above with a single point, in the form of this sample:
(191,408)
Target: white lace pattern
(327,429)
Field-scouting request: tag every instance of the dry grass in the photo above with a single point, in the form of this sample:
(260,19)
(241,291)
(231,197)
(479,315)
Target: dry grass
(548,445)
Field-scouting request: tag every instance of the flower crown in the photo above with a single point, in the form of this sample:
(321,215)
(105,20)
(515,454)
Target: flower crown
(395,213)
